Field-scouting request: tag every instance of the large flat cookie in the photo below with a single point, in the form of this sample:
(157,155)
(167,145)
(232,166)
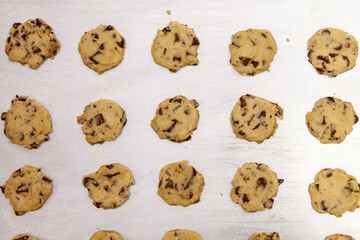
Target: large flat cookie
(254,118)
(109,186)
(106,235)
(27,122)
(331,120)
(180,184)
(31,42)
(252,51)
(176,118)
(334,191)
(180,234)
(254,187)
(102,48)
(102,121)
(332,51)
(339,237)
(265,236)
(175,47)
(24,236)
(27,189)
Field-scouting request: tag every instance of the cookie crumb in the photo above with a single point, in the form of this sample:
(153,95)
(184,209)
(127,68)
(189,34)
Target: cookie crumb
(288,39)
(168,12)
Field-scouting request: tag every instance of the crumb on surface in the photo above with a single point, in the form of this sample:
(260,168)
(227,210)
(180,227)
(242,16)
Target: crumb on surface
(168,12)
(288,39)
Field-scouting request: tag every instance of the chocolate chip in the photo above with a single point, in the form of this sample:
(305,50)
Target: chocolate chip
(333,55)
(121,44)
(244,60)
(356,118)
(241,133)
(110,166)
(255,63)
(87,180)
(320,70)
(25,35)
(93,60)
(176,58)
(98,204)
(329,175)
(262,114)
(98,119)
(166,30)
(323,121)
(112,175)
(333,130)
(169,129)
(38,22)
(160,182)
(317,186)
(250,120)
(245,199)
(309,53)
(195,42)
(95,35)
(169,184)
(347,60)
(34,145)
(2,189)
(258,125)
(252,41)
(165,49)
(101,47)
(176,37)
(107,188)
(280,181)
(322,58)
(235,45)
(242,102)
(325,32)
(23,238)
(46,179)
(36,50)
(8,39)
(15,33)
(16,25)
(109,28)
(323,207)
(338,48)
(331,99)
(261,182)
(263,34)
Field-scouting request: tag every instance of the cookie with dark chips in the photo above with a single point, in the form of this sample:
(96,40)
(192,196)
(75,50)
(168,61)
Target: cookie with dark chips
(339,237)
(181,234)
(106,235)
(23,236)
(265,236)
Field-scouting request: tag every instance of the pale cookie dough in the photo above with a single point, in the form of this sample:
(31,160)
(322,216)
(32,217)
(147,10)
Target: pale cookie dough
(180,234)
(102,48)
(265,236)
(176,118)
(254,187)
(254,118)
(180,184)
(25,236)
(334,191)
(27,189)
(27,122)
(31,42)
(252,51)
(175,47)
(331,120)
(339,237)
(109,187)
(106,235)
(102,121)
(332,51)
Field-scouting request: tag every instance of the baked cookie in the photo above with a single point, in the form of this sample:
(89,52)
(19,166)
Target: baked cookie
(254,187)
(339,237)
(27,122)
(332,51)
(180,184)
(254,118)
(102,48)
(31,42)
(25,236)
(265,236)
(176,118)
(252,51)
(175,47)
(27,189)
(331,120)
(334,191)
(106,235)
(109,186)
(102,121)
(180,234)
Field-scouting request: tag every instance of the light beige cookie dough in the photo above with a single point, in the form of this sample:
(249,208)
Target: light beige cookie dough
(102,121)
(180,234)
(25,236)
(102,48)
(106,235)
(339,237)
(254,187)
(176,118)
(27,122)
(254,118)
(331,120)
(252,51)
(27,189)
(334,191)
(265,236)
(332,51)
(180,184)
(175,47)
(109,187)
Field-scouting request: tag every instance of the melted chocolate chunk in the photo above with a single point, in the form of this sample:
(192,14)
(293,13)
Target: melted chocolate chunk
(109,28)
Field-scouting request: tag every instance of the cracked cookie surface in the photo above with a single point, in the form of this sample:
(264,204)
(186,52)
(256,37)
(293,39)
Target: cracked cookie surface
(181,234)
(265,236)
(24,236)
(106,235)
(339,237)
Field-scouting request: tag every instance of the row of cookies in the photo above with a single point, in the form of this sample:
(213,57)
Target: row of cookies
(331,51)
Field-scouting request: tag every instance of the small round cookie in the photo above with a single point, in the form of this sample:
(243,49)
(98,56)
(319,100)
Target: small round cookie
(25,236)
(31,42)
(27,122)
(102,48)
(331,120)
(180,184)
(339,237)
(176,118)
(27,189)
(254,187)
(265,236)
(102,121)
(106,235)
(109,186)
(254,118)
(252,51)
(332,51)
(334,191)
(175,47)
(180,234)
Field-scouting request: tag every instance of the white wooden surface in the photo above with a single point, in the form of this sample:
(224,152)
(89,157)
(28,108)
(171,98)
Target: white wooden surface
(65,86)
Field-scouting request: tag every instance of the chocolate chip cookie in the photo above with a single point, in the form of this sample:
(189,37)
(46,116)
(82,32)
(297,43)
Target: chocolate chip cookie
(102,121)
(102,48)
(176,118)
(334,191)
(175,46)
(339,237)
(265,236)
(109,186)
(25,236)
(31,42)
(252,51)
(254,118)
(27,189)
(254,187)
(27,122)
(332,51)
(106,235)
(180,234)
(331,120)
(180,184)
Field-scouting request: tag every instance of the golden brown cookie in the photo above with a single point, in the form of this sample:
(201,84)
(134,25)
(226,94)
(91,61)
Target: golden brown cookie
(265,236)
(106,235)
(24,236)
(339,237)
(180,234)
